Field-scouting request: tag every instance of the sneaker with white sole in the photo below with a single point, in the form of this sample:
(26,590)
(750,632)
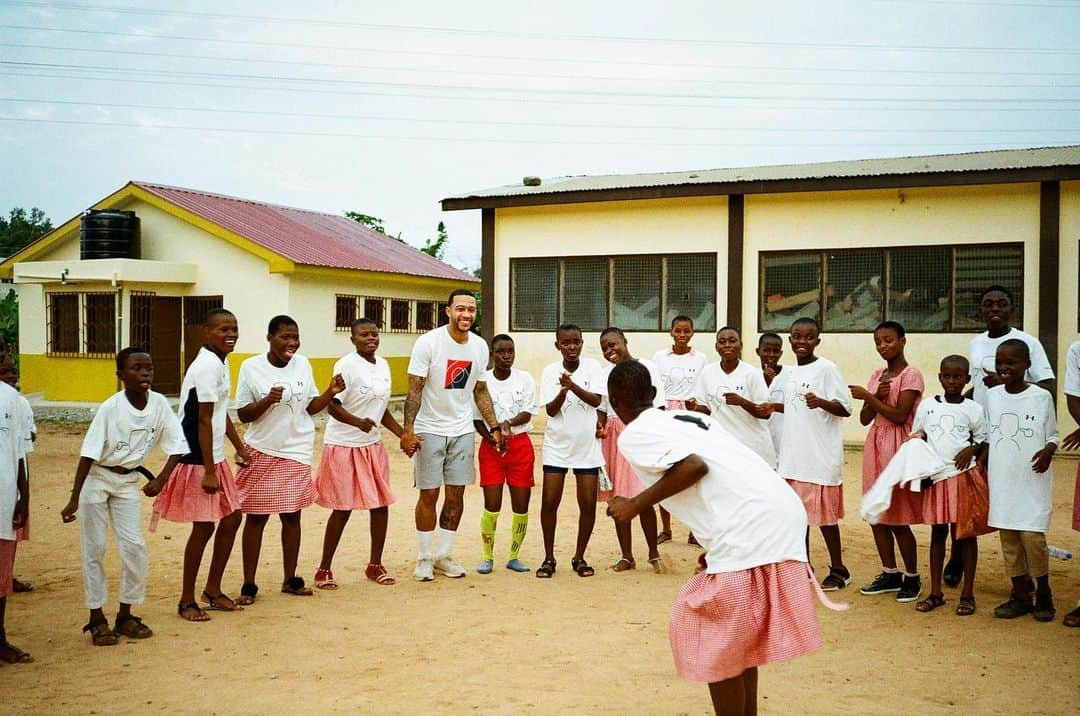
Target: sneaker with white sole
(424,571)
(447,566)
(910,589)
(883,583)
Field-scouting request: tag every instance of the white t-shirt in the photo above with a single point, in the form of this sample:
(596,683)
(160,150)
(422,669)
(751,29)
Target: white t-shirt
(949,427)
(12,449)
(655,377)
(1072,369)
(451,370)
(122,436)
(511,397)
(982,356)
(1017,426)
(748,382)
(813,439)
(679,372)
(776,420)
(285,430)
(366,395)
(741,511)
(570,436)
(29,426)
(206,381)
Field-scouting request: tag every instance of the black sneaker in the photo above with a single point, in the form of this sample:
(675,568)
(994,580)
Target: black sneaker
(1015,607)
(910,589)
(884,582)
(1044,607)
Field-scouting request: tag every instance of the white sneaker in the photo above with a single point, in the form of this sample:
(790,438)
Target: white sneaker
(449,567)
(423,571)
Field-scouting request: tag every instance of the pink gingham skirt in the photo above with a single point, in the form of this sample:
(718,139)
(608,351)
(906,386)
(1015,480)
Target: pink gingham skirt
(723,624)
(939,502)
(184,500)
(624,481)
(270,485)
(353,478)
(676,404)
(824,503)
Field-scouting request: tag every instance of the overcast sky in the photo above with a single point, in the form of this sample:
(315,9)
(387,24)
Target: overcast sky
(388,107)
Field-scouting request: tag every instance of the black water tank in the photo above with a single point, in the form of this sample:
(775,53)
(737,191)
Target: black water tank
(109,235)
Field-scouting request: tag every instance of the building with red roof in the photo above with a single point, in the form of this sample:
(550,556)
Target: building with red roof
(147,277)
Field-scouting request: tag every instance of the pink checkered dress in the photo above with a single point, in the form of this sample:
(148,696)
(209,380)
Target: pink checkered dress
(184,500)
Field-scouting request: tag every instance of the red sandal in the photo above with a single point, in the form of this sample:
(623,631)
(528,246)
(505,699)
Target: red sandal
(378,574)
(324,579)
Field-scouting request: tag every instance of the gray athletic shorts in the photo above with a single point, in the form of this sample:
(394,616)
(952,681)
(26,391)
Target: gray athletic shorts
(441,460)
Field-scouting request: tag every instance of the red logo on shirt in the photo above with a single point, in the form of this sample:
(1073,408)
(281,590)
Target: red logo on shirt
(457,374)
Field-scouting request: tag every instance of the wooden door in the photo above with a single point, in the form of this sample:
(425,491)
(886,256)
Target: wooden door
(195,309)
(165,323)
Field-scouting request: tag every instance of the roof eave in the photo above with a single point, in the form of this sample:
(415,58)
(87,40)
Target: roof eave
(770,186)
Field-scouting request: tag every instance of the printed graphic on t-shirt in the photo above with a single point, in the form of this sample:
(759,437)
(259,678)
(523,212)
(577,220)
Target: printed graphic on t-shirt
(138,442)
(679,380)
(457,374)
(293,396)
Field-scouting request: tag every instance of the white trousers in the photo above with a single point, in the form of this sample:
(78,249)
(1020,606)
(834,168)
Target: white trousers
(126,516)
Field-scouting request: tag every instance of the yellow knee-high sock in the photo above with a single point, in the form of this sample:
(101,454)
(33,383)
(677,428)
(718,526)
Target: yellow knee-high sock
(518,528)
(488,521)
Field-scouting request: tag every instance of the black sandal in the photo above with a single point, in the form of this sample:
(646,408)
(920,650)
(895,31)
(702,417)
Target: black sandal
(221,602)
(581,567)
(11,654)
(132,627)
(247,593)
(546,569)
(101,634)
(200,613)
(965,607)
(295,586)
(931,603)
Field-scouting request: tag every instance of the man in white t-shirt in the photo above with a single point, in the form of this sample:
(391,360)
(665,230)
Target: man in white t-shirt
(996,310)
(444,381)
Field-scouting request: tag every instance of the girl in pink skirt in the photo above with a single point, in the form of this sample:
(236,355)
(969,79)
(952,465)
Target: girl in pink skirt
(889,403)
(276,395)
(354,472)
(752,603)
(1072,442)
(202,489)
(624,482)
(952,425)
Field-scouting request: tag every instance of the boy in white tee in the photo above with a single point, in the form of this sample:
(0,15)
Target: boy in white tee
(124,430)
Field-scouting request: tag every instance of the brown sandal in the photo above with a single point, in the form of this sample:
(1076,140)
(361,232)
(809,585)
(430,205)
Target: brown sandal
(132,627)
(965,607)
(185,611)
(623,565)
(11,654)
(221,602)
(1072,619)
(101,634)
(930,603)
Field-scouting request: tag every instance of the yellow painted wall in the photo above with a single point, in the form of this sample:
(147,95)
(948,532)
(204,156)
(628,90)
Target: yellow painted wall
(74,379)
(1068,289)
(624,227)
(861,219)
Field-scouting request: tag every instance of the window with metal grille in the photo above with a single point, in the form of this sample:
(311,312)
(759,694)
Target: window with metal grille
(790,288)
(425,315)
(373,309)
(399,315)
(440,314)
(345,312)
(100,324)
(63,319)
(690,289)
(635,293)
(534,294)
(140,319)
(196,308)
(928,289)
(635,300)
(854,290)
(976,268)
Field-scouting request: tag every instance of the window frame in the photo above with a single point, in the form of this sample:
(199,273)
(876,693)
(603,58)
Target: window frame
(560,303)
(408,327)
(886,277)
(82,331)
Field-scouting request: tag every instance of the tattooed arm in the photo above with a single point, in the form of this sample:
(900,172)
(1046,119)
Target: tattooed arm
(409,441)
(487,411)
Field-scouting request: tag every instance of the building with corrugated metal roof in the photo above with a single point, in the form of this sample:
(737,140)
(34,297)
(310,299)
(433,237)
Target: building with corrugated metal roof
(851,243)
(80,302)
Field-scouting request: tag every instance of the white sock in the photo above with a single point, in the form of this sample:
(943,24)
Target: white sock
(911,575)
(424,540)
(890,570)
(446,542)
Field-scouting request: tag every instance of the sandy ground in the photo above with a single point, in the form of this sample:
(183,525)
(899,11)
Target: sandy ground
(505,643)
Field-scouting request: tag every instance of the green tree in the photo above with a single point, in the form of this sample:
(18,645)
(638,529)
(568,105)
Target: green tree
(20,229)
(9,321)
(372,222)
(436,247)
